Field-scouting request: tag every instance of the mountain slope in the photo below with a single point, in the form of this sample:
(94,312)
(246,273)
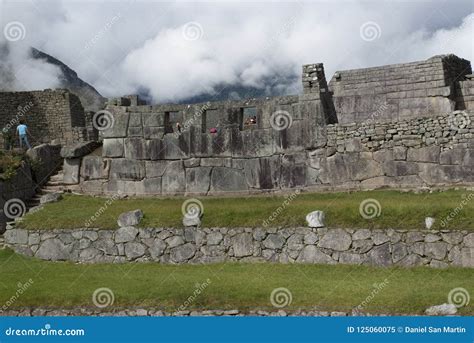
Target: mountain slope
(90,97)
(92,100)
(238,92)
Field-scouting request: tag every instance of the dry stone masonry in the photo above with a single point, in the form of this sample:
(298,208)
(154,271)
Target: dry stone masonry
(51,115)
(419,152)
(154,312)
(138,157)
(401,126)
(211,245)
(402,91)
(406,125)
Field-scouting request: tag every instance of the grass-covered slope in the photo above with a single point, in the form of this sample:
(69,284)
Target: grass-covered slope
(230,286)
(397,210)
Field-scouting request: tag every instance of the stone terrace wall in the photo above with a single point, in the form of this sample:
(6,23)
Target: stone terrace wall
(211,245)
(51,115)
(421,152)
(399,91)
(138,157)
(133,311)
(155,312)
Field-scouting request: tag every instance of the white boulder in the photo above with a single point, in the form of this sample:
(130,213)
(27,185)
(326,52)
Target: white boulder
(441,310)
(315,219)
(429,221)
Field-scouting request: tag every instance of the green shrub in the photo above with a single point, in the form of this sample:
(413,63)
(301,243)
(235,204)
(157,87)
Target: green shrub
(9,163)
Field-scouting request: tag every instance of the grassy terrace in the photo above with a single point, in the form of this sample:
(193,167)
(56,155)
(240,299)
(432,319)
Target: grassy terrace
(398,210)
(231,286)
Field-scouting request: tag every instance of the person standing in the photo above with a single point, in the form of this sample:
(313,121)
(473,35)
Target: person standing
(22,131)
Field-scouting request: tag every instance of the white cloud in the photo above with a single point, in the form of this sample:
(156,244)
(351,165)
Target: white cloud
(19,71)
(121,47)
(458,40)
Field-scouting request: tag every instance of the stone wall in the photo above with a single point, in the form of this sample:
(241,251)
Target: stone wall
(51,115)
(211,245)
(435,151)
(399,91)
(314,81)
(20,186)
(29,177)
(296,142)
(47,160)
(408,154)
(155,312)
(142,155)
(465,94)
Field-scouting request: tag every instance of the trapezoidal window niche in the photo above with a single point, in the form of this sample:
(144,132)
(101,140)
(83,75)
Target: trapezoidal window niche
(173,121)
(211,121)
(248,118)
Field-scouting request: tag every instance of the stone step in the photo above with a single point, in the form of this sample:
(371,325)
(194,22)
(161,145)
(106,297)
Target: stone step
(57,178)
(51,189)
(54,183)
(51,186)
(33,202)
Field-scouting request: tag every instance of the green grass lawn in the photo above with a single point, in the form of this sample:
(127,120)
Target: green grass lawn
(230,286)
(398,210)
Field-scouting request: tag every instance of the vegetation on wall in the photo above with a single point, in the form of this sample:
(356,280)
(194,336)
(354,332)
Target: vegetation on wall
(9,163)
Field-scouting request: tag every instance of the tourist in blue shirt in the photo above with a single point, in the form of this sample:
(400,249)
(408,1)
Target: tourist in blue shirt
(22,131)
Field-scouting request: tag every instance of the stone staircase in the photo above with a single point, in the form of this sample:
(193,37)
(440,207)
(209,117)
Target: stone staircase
(53,185)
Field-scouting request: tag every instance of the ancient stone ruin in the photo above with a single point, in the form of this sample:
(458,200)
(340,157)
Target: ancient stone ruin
(52,116)
(405,125)
(405,91)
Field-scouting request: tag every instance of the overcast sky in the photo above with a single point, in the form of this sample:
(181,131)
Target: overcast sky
(181,49)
